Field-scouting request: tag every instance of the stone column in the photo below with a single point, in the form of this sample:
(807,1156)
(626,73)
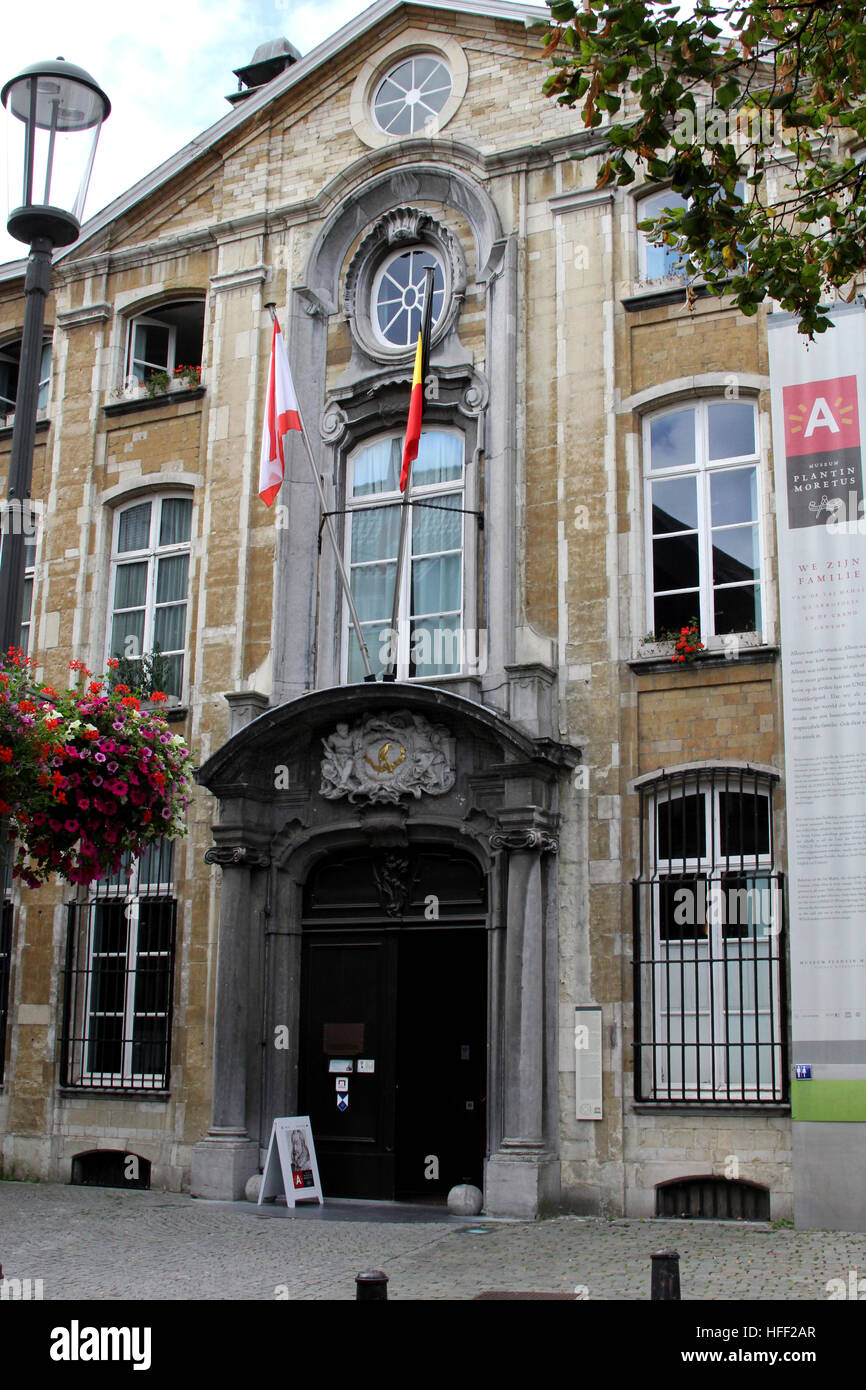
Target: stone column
(228,1156)
(522,1177)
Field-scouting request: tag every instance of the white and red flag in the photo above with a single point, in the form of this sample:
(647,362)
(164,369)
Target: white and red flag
(281,415)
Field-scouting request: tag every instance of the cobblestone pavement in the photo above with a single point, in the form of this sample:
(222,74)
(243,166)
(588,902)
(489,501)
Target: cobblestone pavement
(100,1243)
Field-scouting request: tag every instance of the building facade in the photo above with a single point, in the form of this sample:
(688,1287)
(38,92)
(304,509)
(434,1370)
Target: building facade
(528,896)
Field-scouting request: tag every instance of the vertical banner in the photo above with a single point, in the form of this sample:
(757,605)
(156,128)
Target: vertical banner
(819,415)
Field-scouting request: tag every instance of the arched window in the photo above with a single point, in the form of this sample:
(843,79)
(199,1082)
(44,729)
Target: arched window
(703,517)
(429,640)
(149,588)
(164,339)
(709,916)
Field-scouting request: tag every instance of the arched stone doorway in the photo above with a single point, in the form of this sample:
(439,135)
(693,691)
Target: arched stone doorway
(379,772)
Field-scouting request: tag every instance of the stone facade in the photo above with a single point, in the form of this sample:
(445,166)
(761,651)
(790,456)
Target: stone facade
(552,358)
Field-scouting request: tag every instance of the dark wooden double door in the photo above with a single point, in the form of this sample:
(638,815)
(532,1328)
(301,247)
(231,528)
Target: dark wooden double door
(393,1058)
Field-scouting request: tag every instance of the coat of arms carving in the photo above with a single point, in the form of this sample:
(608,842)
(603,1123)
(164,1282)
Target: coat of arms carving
(385,757)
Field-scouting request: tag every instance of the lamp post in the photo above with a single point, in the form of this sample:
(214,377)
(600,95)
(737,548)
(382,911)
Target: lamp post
(54,112)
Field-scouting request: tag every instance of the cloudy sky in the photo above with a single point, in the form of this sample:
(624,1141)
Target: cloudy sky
(165,68)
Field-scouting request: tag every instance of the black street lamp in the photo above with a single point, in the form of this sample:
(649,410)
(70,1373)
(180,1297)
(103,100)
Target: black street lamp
(59,110)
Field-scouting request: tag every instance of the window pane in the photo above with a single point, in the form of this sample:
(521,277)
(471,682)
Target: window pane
(133,532)
(155,866)
(675,505)
(732,429)
(682,908)
(682,827)
(734,496)
(377,468)
(151,345)
(175,520)
(744,823)
(440,459)
(174,679)
(435,647)
(126,626)
(675,563)
(130,585)
(672,440)
(671,612)
(375,534)
(171,578)
(436,584)
(376,635)
(735,554)
(433,529)
(738,610)
(170,627)
(373,591)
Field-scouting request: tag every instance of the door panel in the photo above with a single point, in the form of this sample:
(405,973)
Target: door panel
(441,1061)
(348,1016)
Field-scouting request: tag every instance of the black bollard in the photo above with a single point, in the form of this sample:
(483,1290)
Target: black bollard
(371,1286)
(665,1276)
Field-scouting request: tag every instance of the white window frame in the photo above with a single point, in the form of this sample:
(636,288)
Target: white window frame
(152,554)
(433,117)
(703,469)
(419,493)
(382,270)
(132,892)
(690,958)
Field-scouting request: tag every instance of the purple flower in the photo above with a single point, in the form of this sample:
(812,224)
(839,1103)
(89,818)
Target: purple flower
(111,767)
(117,725)
(99,757)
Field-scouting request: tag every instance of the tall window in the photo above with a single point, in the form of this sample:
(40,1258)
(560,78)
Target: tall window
(10,357)
(704,540)
(120,965)
(429,637)
(165,338)
(708,941)
(27,596)
(150,582)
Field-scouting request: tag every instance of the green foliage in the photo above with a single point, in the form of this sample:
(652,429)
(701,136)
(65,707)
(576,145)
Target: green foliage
(143,675)
(732,92)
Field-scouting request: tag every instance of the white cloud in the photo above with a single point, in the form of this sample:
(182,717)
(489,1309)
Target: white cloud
(166,70)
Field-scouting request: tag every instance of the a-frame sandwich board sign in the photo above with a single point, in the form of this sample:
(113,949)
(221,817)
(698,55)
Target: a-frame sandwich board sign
(291,1165)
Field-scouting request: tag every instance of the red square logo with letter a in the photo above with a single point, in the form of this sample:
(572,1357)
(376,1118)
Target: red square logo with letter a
(821,416)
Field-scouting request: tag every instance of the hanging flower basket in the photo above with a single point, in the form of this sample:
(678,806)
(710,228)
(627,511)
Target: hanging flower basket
(85,776)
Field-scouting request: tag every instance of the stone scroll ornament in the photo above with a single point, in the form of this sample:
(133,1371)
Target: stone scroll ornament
(386,757)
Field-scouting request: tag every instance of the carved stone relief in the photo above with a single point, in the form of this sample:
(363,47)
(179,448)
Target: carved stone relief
(386,757)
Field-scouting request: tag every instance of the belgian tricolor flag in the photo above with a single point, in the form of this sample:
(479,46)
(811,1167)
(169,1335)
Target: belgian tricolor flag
(416,401)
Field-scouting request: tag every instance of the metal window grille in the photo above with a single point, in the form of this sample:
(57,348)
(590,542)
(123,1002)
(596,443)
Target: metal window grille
(5,971)
(120,978)
(709,975)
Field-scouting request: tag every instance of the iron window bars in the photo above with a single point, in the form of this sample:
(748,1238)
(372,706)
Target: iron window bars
(120,979)
(709,980)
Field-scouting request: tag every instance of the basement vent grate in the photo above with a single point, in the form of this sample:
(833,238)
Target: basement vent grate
(713,1199)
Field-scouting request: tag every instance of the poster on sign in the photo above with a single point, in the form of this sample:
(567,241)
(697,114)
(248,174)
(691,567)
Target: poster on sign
(290,1166)
(819,410)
